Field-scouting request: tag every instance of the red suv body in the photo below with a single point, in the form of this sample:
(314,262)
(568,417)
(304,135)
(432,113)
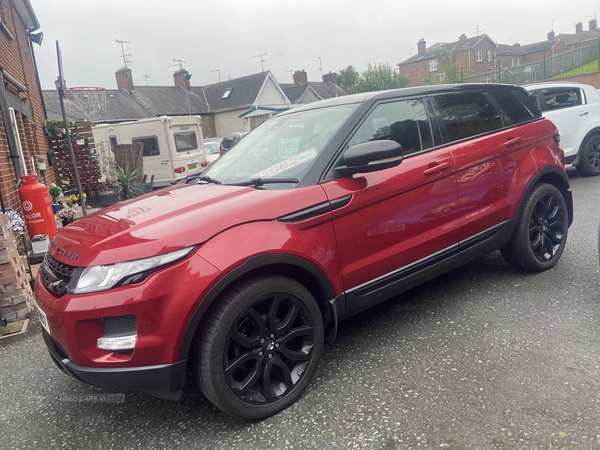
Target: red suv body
(317,214)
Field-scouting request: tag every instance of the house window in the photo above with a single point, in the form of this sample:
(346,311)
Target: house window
(512,61)
(479,55)
(490,56)
(499,62)
(433,65)
(227,93)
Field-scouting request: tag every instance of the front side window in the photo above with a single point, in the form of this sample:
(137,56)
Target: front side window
(559,98)
(150,145)
(433,65)
(479,55)
(185,141)
(403,121)
(467,114)
(489,56)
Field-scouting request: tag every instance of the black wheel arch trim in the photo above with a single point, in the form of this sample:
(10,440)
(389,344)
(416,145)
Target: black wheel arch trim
(557,178)
(248,266)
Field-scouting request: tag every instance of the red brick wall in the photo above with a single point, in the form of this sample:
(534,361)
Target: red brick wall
(16,59)
(418,72)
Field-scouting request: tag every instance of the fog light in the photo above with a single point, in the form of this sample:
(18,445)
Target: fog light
(119,333)
(120,343)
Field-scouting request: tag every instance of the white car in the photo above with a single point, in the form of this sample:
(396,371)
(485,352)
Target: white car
(211,148)
(575,110)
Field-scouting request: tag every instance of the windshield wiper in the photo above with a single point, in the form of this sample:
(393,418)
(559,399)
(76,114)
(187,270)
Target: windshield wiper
(260,181)
(207,179)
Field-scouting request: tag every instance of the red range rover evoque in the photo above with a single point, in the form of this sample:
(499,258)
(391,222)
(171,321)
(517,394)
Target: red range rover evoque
(319,213)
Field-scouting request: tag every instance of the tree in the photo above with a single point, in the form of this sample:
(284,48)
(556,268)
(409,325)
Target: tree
(381,77)
(447,64)
(348,79)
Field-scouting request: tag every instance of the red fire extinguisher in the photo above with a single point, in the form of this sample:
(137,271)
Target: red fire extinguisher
(37,207)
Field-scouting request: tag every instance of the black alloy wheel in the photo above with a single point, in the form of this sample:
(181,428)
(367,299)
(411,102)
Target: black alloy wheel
(541,232)
(261,347)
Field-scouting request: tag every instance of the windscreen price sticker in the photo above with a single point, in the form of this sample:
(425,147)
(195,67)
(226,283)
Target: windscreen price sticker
(287,164)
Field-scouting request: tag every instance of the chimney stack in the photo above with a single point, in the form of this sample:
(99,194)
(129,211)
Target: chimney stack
(330,78)
(300,77)
(124,79)
(551,35)
(182,78)
(578,27)
(421,48)
(463,37)
(593,24)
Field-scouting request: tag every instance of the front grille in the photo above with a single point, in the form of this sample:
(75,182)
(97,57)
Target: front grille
(55,275)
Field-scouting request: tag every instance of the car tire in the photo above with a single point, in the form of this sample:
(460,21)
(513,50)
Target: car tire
(540,235)
(259,347)
(589,164)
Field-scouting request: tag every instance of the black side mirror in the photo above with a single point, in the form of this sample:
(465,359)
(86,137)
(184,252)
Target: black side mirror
(370,157)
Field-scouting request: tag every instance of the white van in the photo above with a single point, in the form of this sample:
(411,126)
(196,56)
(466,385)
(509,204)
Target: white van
(173,146)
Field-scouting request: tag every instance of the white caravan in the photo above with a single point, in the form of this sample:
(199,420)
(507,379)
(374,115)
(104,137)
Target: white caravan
(173,147)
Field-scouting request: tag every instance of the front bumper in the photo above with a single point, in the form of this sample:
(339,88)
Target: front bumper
(163,381)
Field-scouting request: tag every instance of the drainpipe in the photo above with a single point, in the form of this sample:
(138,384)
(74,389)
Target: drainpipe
(8,126)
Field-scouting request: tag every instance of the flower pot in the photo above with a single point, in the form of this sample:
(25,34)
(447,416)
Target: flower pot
(66,222)
(56,208)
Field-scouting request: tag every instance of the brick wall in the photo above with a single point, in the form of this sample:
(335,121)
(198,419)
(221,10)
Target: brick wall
(16,59)
(16,296)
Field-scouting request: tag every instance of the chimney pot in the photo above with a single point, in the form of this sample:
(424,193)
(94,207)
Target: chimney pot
(593,24)
(182,78)
(463,37)
(330,78)
(124,79)
(300,77)
(578,27)
(551,35)
(421,47)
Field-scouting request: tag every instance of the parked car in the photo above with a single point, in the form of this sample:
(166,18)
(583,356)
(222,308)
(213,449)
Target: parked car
(575,110)
(319,213)
(230,140)
(211,149)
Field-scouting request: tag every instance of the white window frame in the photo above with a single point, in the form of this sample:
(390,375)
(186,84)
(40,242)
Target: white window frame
(490,56)
(432,65)
(479,55)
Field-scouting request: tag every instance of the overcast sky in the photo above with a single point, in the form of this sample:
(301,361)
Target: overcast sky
(228,35)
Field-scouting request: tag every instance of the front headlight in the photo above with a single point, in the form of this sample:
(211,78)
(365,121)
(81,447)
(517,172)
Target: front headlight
(101,278)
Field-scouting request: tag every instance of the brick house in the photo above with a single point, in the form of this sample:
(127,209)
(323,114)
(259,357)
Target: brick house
(21,105)
(581,38)
(22,142)
(476,58)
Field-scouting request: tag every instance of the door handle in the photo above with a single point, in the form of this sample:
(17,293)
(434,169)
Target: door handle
(583,113)
(513,141)
(436,168)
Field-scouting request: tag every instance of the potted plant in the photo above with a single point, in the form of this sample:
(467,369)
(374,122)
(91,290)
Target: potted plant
(55,192)
(66,215)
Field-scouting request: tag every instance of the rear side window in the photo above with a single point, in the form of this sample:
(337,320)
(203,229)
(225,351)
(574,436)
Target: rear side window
(559,98)
(516,105)
(150,144)
(403,121)
(185,141)
(467,114)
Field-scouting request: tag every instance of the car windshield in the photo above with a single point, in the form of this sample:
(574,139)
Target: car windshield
(282,148)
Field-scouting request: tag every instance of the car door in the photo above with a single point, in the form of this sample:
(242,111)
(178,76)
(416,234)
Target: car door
(485,146)
(567,108)
(398,222)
